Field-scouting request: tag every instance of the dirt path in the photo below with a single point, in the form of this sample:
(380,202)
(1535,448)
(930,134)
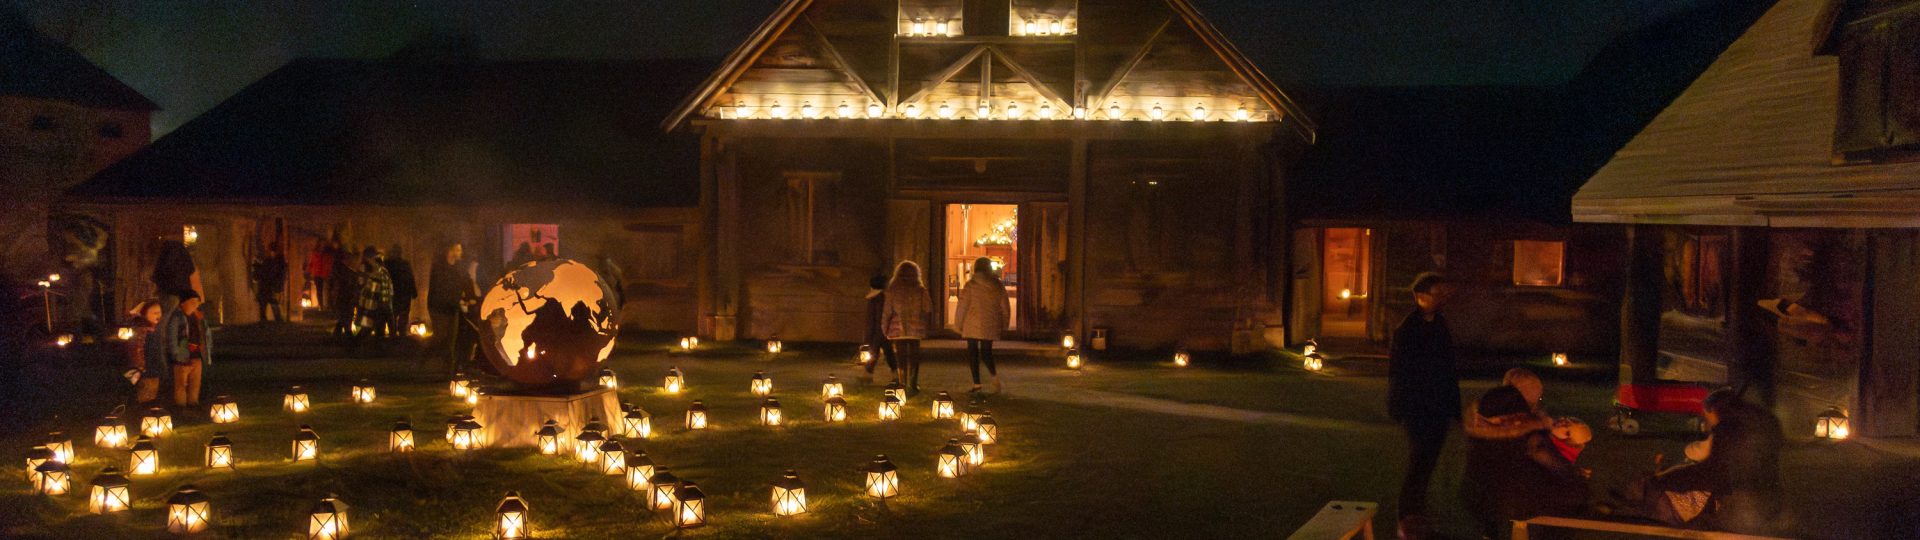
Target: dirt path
(1053,385)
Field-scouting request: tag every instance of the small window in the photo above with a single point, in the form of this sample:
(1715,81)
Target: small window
(111,130)
(1043,18)
(528,242)
(931,18)
(42,122)
(811,207)
(1539,263)
(1696,272)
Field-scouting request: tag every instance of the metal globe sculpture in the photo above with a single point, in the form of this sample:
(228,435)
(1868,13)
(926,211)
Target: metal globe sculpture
(548,325)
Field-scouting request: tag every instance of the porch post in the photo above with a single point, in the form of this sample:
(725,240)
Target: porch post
(1640,306)
(1749,336)
(1077,239)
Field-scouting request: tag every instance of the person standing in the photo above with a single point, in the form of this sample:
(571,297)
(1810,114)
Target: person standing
(1423,395)
(174,274)
(344,280)
(146,352)
(877,343)
(905,315)
(319,269)
(189,349)
(405,289)
(269,280)
(983,313)
(449,292)
(375,300)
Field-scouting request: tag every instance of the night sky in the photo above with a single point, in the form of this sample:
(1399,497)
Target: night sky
(188,56)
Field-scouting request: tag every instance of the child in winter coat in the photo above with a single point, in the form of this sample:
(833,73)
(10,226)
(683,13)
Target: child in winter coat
(876,341)
(984,312)
(907,311)
(146,354)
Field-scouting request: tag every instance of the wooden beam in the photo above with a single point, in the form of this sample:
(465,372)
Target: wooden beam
(737,62)
(1100,96)
(833,55)
(1021,72)
(1077,239)
(1640,306)
(946,74)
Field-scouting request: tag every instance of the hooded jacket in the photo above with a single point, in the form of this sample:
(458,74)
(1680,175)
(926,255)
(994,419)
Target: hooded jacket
(984,309)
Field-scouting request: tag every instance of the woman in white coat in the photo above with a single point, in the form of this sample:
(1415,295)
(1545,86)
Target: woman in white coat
(983,315)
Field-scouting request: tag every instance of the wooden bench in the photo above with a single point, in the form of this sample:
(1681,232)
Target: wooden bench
(1520,529)
(1339,520)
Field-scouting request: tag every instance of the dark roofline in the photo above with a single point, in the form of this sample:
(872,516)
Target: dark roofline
(35,65)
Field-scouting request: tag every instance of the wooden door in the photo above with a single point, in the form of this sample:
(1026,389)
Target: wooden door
(1043,253)
(910,235)
(1306,286)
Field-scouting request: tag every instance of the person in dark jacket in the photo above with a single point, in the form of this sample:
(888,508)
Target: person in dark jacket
(1740,476)
(375,300)
(269,281)
(345,280)
(405,290)
(174,274)
(1516,476)
(1423,395)
(146,352)
(449,292)
(189,349)
(876,340)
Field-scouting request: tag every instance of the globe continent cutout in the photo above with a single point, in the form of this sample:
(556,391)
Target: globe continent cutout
(549,324)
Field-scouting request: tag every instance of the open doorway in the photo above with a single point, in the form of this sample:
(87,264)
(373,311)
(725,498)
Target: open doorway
(1345,288)
(981,230)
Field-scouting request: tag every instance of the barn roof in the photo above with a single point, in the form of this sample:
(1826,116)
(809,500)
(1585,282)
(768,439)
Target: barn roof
(1750,142)
(34,65)
(415,132)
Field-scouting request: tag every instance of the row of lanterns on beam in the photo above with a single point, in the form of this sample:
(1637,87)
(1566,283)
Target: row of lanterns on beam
(984,110)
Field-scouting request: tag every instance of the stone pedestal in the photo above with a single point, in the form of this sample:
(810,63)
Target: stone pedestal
(510,420)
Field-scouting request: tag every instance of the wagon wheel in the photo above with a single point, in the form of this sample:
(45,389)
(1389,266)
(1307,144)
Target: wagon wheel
(1630,426)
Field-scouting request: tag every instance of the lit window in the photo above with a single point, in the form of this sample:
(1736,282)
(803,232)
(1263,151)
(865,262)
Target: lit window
(930,18)
(1695,266)
(1539,263)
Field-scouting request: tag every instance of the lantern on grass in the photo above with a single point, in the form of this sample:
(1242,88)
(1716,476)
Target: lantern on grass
(328,520)
(883,478)
(511,519)
(548,439)
(37,456)
(986,428)
(608,379)
(831,387)
(1310,348)
(124,333)
(219,454)
(459,386)
(306,444)
(112,433)
(613,458)
(760,385)
(835,409)
(689,343)
(1066,341)
(296,400)
(189,511)
(419,330)
(1074,359)
(453,422)
(789,495)
(1831,425)
(52,478)
(770,412)
(952,461)
(110,493)
(638,423)
(639,471)
(156,422)
(473,395)
(675,381)
(363,392)
(224,410)
(660,490)
(774,346)
(889,408)
(942,406)
(976,452)
(865,356)
(1181,359)
(595,425)
(697,415)
(1560,359)
(401,438)
(586,447)
(1313,362)
(970,417)
(690,506)
(466,435)
(61,446)
(63,340)
(144,459)
(896,390)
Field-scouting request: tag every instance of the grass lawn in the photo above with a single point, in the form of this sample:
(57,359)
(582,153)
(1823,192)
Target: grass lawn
(1064,467)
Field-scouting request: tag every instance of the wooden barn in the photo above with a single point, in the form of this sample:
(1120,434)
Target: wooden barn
(1773,217)
(1119,158)
(416,152)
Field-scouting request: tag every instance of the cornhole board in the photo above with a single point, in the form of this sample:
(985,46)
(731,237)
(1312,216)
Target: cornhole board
(1520,529)
(1339,520)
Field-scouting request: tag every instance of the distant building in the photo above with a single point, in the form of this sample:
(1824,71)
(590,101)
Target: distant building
(512,159)
(1773,216)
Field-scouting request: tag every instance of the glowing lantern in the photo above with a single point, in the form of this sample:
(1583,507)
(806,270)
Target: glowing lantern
(306,444)
(770,412)
(883,479)
(296,401)
(660,489)
(675,381)
(1560,359)
(188,511)
(144,459)
(473,395)
(942,28)
(1831,425)
(548,439)
(1031,28)
(36,457)
(124,333)
(639,471)
(401,438)
(889,408)
(460,386)
(586,447)
(189,234)
(1181,359)
(976,452)
(760,385)
(1156,113)
(511,519)
(1066,341)
(52,478)
(224,410)
(111,433)
(1242,114)
(1079,112)
(982,111)
(896,390)
(969,417)
(613,458)
(306,303)
(453,422)
(808,111)
(608,379)
(986,428)
(865,356)
(836,409)
(1313,363)
(1312,347)
(690,506)
(942,406)
(328,520)
(419,330)
(1199,113)
(63,340)
(110,493)
(843,111)
(952,462)
(1013,111)
(1057,27)
(156,422)
(1045,112)
(741,110)
(1074,360)
(912,110)
(363,393)
(831,387)
(219,453)
(919,27)
(689,343)
(774,346)
(945,111)
(789,495)
(697,415)
(61,446)
(466,435)
(874,110)
(778,111)
(1114,112)
(638,423)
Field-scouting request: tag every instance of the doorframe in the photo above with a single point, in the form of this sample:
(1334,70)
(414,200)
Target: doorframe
(937,247)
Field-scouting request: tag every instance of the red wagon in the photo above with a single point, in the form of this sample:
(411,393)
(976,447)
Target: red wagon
(1670,397)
